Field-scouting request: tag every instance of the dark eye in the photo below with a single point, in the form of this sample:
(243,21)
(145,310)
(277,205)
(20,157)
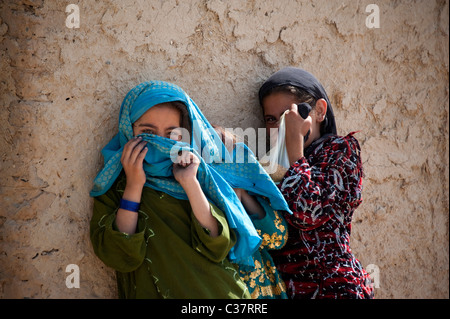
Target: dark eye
(270,120)
(175,135)
(147,131)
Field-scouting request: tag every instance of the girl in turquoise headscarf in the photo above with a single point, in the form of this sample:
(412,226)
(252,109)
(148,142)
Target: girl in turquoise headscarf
(166,217)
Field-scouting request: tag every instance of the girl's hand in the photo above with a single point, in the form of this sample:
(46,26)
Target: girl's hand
(296,129)
(186,167)
(132,161)
(185,172)
(295,122)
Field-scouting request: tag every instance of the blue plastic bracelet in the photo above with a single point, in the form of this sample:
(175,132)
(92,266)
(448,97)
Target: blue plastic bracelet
(128,205)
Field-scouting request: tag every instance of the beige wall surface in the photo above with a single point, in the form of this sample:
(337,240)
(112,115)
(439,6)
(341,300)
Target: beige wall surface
(61,89)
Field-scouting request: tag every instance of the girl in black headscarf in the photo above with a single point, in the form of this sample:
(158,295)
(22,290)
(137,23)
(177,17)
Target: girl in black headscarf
(322,187)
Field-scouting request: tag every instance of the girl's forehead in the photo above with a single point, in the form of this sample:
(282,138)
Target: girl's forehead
(279,101)
(161,111)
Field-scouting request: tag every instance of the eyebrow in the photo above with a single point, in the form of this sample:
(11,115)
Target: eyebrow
(274,115)
(146,124)
(153,126)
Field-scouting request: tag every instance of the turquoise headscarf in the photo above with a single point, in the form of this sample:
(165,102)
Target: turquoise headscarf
(218,173)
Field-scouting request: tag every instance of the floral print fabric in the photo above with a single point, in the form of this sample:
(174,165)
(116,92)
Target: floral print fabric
(265,282)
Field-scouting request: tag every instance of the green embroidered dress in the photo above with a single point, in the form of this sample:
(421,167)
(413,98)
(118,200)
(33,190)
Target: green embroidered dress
(170,255)
(264,282)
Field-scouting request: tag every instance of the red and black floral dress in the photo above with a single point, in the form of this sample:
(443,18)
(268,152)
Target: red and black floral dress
(323,190)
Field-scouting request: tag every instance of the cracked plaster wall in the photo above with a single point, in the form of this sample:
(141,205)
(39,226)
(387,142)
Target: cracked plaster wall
(61,88)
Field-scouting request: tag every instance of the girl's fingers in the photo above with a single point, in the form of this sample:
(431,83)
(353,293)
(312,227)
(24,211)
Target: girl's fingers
(137,150)
(294,108)
(187,158)
(132,149)
(129,146)
(141,156)
(195,159)
(182,160)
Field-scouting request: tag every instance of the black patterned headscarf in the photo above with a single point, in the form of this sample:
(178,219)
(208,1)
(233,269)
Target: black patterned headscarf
(305,81)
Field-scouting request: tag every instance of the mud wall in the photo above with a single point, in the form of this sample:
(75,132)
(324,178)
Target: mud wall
(61,89)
